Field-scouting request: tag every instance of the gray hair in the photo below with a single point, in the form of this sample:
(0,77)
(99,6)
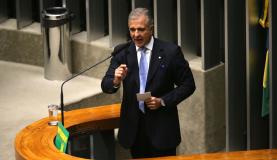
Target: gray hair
(137,12)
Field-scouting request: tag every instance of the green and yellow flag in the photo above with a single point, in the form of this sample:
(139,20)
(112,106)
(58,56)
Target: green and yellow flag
(265,107)
(61,138)
(263,21)
(264,18)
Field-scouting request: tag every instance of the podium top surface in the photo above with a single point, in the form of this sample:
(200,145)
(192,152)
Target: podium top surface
(266,154)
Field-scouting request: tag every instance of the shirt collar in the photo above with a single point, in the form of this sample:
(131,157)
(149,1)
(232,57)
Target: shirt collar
(149,46)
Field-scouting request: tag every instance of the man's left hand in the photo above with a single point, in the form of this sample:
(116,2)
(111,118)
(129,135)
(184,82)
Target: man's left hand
(153,103)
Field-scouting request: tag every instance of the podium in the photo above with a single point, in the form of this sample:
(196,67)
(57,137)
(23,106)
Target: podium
(36,141)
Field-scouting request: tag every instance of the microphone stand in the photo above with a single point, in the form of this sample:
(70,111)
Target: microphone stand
(75,75)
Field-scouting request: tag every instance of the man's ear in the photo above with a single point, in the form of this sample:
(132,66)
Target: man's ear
(152,30)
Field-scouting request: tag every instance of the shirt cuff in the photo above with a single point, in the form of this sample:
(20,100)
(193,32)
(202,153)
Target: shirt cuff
(162,102)
(115,87)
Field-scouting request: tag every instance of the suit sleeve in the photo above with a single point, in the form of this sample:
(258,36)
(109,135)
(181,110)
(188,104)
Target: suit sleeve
(183,79)
(107,81)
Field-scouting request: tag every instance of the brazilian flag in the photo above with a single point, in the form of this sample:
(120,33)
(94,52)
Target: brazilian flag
(263,21)
(265,107)
(61,138)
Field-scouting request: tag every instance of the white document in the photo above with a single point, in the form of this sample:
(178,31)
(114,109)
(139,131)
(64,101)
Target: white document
(143,96)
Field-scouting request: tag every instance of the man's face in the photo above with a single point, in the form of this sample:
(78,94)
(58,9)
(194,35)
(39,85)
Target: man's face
(140,32)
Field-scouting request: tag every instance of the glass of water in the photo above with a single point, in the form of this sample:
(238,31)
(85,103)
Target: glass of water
(53,114)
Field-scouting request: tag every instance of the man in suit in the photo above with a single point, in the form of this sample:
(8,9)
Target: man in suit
(150,127)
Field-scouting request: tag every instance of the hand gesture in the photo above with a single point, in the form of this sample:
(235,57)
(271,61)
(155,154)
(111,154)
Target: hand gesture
(119,74)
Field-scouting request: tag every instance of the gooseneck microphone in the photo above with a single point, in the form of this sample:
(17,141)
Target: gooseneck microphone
(116,50)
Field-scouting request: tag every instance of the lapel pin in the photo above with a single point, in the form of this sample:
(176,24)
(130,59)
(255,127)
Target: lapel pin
(159,57)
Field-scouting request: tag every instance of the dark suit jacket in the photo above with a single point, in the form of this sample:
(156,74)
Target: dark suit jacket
(169,77)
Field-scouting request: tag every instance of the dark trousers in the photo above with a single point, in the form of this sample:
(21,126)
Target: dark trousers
(143,148)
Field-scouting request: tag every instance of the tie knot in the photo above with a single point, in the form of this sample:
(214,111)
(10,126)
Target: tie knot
(143,49)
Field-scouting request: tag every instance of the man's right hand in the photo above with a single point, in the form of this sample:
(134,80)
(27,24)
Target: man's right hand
(119,74)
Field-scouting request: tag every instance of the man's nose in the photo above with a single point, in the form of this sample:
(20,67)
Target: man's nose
(136,33)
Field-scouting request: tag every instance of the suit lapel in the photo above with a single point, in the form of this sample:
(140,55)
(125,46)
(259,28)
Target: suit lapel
(155,61)
(132,63)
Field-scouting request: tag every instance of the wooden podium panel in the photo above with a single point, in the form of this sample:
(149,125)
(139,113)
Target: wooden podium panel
(36,141)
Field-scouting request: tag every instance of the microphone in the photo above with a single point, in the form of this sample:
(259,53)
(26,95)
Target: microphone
(116,50)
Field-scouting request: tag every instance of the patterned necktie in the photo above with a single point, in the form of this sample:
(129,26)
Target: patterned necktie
(143,71)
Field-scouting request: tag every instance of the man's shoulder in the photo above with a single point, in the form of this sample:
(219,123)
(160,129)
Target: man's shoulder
(121,47)
(166,44)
